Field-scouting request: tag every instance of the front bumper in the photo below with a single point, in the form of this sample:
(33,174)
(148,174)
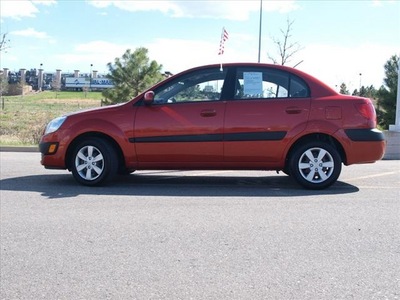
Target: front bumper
(53,155)
(48,148)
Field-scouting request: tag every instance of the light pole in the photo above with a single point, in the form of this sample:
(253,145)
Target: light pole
(40,79)
(396,125)
(259,33)
(90,77)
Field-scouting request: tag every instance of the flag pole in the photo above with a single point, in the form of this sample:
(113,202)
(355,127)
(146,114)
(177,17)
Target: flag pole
(221,49)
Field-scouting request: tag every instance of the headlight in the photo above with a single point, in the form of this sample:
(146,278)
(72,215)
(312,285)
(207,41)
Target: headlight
(54,124)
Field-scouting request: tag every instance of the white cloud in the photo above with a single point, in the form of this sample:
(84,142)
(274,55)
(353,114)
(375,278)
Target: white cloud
(98,53)
(133,6)
(174,54)
(101,47)
(17,9)
(44,2)
(376,3)
(380,3)
(21,8)
(31,33)
(100,3)
(341,64)
(177,54)
(232,10)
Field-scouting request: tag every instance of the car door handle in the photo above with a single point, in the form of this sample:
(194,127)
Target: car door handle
(292,110)
(208,113)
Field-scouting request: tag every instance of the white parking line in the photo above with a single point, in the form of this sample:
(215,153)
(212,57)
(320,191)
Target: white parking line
(373,176)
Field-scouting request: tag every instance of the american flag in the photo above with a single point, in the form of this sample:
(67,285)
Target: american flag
(224,38)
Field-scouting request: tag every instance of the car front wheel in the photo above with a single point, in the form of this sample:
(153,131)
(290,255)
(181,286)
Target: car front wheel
(315,165)
(94,162)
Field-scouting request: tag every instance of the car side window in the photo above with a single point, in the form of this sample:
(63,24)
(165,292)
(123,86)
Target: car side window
(267,83)
(200,85)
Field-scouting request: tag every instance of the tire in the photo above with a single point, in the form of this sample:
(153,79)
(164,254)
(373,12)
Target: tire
(315,165)
(94,162)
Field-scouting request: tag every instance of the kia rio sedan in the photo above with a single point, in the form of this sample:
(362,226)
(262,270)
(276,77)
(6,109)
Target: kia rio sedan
(244,116)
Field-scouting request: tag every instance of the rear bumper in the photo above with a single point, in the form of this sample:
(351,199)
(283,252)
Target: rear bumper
(365,135)
(364,146)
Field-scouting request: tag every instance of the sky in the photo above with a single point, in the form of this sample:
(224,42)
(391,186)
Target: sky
(340,41)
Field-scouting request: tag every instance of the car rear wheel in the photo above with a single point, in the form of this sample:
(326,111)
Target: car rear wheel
(315,165)
(94,162)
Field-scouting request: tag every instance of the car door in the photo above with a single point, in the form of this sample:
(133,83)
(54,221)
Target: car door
(184,125)
(269,106)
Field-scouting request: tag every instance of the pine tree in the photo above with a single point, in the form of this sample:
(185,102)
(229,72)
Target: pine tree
(387,93)
(343,89)
(131,74)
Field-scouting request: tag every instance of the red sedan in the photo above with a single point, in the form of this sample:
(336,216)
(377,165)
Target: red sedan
(242,117)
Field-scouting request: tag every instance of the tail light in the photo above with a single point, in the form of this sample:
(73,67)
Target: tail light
(367,110)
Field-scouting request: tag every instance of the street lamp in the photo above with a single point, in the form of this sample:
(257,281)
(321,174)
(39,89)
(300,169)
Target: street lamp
(40,79)
(90,77)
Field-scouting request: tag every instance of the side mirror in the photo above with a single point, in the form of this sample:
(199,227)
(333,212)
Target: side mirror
(148,98)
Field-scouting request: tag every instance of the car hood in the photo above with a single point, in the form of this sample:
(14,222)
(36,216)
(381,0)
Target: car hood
(95,109)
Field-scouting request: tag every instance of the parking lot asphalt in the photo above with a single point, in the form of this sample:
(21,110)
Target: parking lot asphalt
(198,235)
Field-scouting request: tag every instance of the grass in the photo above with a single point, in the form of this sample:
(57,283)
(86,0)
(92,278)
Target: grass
(23,118)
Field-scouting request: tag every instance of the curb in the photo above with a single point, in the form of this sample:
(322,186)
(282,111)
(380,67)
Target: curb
(392,145)
(19,149)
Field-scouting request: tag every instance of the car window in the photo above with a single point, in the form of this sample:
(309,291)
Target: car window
(266,83)
(200,85)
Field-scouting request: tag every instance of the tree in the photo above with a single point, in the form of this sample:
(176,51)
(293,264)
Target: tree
(285,47)
(3,86)
(131,74)
(368,92)
(387,93)
(343,89)
(4,42)
(3,79)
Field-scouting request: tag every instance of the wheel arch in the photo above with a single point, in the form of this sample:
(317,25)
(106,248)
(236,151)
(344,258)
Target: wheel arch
(86,135)
(321,137)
